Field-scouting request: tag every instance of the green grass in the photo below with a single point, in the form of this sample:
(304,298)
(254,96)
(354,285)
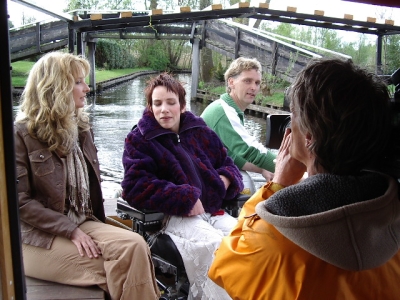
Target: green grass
(103,75)
(218,90)
(276,99)
(19,74)
(20,70)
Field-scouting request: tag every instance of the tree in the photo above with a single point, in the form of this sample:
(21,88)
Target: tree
(258,21)
(317,36)
(244,21)
(170,58)
(364,53)
(99,4)
(149,55)
(391,45)
(287,30)
(153,4)
(112,55)
(27,19)
(82,4)
(391,53)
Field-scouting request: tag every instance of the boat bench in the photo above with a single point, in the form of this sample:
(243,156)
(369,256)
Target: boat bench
(37,289)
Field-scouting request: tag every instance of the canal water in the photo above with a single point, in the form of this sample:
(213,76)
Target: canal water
(116,110)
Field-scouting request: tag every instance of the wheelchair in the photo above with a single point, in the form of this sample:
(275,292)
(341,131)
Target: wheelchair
(169,267)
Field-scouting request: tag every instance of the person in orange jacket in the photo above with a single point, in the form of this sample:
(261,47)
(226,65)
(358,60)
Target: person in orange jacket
(334,234)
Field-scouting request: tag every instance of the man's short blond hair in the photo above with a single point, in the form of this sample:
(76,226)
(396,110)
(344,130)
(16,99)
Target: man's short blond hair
(238,66)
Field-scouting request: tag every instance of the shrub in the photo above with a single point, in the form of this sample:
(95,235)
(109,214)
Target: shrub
(151,54)
(111,55)
(218,72)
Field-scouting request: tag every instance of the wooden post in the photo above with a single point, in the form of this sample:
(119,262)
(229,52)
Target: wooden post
(195,67)
(38,37)
(237,42)
(71,40)
(274,58)
(92,61)
(79,46)
(379,70)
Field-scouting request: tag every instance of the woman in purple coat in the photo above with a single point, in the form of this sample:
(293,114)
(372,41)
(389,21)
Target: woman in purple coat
(175,164)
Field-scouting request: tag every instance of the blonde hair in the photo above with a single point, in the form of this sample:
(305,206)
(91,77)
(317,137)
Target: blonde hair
(238,66)
(48,106)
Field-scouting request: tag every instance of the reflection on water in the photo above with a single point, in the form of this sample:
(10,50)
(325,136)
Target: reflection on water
(115,111)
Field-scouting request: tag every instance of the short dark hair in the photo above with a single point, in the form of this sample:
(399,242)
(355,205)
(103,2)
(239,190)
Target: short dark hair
(346,109)
(172,85)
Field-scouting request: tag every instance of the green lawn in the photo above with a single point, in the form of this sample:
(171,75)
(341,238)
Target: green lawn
(20,70)
(276,99)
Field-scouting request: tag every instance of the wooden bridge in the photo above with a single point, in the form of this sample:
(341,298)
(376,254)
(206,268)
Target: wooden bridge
(208,28)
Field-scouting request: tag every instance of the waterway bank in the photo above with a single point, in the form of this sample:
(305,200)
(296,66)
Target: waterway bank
(201,95)
(106,84)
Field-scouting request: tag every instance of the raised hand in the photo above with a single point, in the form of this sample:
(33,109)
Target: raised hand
(288,170)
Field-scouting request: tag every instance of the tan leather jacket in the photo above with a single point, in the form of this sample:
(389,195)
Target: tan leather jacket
(42,187)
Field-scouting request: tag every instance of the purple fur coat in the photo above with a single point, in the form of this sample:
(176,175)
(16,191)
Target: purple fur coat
(169,172)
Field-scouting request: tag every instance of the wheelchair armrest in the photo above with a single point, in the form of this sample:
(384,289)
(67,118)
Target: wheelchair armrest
(237,202)
(233,206)
(144,215)
(143,220)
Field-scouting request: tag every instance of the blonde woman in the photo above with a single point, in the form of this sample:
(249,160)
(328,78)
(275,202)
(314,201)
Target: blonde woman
(61,208)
